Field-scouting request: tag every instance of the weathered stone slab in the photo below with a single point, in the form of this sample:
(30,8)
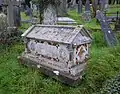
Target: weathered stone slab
(65,20)
(106,29)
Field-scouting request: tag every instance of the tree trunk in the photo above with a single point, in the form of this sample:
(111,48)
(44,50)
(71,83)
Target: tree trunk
(94,6)
(50,17)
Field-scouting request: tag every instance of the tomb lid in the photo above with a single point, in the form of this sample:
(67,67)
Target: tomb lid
(66,20)
(59,33)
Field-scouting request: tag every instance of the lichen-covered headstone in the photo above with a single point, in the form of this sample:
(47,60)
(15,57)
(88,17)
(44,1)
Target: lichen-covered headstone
(50,17)
(3,26)
(86,16)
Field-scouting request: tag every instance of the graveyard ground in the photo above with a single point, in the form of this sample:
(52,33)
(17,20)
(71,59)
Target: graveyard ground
(103,65)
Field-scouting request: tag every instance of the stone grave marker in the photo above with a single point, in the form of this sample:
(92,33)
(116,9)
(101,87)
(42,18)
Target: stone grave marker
(79,6)
(106,29)
(10,32)
(87,6)
(86,16)
(50,15)
(102,5)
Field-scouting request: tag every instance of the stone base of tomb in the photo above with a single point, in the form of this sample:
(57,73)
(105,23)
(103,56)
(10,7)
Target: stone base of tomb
(63,77)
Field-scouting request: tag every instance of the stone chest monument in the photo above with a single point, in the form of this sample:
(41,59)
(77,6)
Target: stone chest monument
(58,51)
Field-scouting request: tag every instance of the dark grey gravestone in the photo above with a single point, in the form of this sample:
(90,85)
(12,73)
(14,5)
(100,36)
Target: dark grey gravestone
(28,11)
(17,17)
(79,6)
(22,8)
(87,5)
(1,2)
(102,5)
(106,29)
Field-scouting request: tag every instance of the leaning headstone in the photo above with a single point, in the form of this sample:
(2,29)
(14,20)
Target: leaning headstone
(106,29)
(1,2)
(87,5)
(79,6)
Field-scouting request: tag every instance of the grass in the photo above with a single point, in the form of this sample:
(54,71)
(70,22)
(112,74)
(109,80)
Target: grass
(15,78)
(18,79)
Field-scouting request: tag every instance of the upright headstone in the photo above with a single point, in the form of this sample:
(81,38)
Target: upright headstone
(50,17)
(87,5)
(1,2)
(79,6)
(17,17)
(3,27)
(102,5)
(10,13)
(62,9)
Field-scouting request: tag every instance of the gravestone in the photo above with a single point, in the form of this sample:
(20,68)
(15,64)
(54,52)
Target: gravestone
(73,5)
(50,15)
(87,6)
(106,29)
(17,17)
(10,32)
(10,13)
(3,27)
(58,51)
(79,6)
(102,5)
(86,16)
(62,8)
(1,2)
(28,11)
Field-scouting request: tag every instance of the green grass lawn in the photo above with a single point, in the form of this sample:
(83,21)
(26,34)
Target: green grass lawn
(104,64)
(18,79)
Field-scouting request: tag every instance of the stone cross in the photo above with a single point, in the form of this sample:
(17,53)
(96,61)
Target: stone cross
(13,12)
(87,5)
